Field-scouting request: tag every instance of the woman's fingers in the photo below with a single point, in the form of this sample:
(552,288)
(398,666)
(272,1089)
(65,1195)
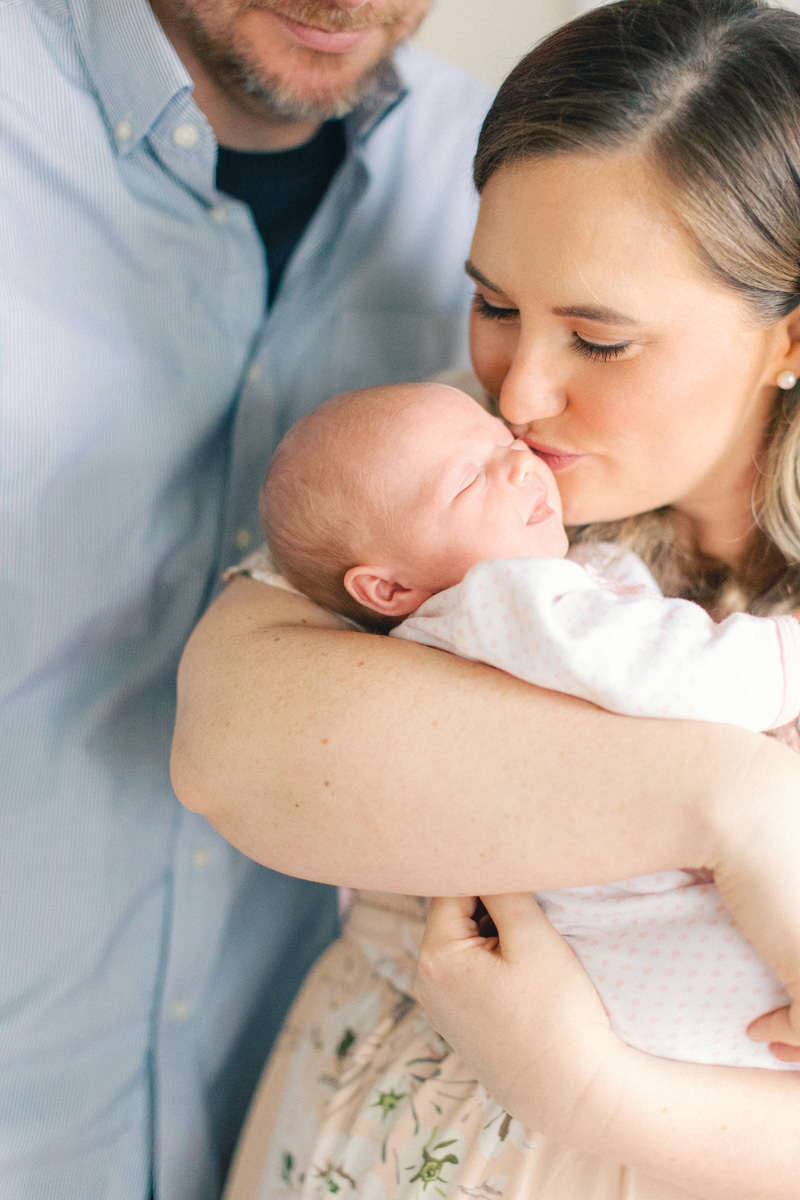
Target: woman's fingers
(455,939)
(453,953)
(781,1029)
(450,922)
(452,957)
(457,919)
(452,949)
(524,931)
(517,1007)
(528,963)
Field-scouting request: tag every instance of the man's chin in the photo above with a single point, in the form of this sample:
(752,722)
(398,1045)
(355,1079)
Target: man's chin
(310,92)
(306,103)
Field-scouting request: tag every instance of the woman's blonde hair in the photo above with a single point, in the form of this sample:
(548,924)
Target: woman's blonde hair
(709,91)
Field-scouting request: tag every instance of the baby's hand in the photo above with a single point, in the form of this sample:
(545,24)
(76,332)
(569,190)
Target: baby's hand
(522,1013)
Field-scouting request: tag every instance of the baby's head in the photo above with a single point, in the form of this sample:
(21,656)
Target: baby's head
(382,497)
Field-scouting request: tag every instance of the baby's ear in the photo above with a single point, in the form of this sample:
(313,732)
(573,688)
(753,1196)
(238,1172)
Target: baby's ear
(378,589)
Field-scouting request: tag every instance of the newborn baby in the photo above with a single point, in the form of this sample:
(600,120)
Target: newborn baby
(390,476)
(412,499)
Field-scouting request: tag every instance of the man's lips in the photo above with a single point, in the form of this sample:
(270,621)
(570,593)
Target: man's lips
(556,459)
(326,40)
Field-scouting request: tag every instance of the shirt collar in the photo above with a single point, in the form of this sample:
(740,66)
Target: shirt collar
(136,71)
(385,93)
(133,65)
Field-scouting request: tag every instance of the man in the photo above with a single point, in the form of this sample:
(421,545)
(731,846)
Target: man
(166,313)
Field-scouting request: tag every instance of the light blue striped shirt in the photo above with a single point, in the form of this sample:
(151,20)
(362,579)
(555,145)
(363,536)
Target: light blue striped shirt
(144,963)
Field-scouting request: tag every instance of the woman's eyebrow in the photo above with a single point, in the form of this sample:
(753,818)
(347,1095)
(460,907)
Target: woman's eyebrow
(589,312)
(479,277)
(595,312)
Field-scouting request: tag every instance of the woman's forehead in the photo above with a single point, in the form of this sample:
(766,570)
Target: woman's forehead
(584,227)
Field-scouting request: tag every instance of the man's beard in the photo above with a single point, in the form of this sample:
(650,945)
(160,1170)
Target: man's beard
(235,73)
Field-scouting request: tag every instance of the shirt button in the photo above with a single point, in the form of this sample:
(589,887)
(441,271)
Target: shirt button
(219,214)
(243,538)
(180,1010)
(123,131)
(201,857)
(255,373)
(186,136)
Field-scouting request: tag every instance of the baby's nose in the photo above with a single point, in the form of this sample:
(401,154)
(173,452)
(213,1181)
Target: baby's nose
(521,462)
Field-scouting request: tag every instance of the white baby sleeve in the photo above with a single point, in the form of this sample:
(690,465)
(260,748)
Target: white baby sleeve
(627,649)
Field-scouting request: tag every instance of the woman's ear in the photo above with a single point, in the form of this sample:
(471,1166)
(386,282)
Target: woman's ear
(788,362)
(378,589)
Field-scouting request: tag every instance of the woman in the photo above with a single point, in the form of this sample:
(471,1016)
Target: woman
(637,266)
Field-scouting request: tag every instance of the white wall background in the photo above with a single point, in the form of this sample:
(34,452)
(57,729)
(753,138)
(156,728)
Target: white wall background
(487,37)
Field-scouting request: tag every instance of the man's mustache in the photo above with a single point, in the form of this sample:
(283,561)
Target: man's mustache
(332,18)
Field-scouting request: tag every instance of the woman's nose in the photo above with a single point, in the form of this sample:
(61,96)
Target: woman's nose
(530,393)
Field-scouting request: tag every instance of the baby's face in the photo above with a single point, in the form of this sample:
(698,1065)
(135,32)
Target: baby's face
(463,489)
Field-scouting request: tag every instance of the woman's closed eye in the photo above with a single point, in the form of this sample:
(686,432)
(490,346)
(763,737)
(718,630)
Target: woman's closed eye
(599,351)
(492,312)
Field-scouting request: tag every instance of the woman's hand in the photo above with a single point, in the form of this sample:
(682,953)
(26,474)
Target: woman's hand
(521,1011)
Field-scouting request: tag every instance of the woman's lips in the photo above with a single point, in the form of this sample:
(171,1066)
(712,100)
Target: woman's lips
(555,459)
(329,41)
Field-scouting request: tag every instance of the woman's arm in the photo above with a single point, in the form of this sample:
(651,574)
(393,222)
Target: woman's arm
(367,762)
(522,1013)
(304,744)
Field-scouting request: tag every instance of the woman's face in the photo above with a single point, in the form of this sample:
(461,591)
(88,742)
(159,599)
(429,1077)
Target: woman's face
(638,379)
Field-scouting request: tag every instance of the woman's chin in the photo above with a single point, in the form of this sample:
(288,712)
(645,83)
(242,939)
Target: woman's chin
(592,510)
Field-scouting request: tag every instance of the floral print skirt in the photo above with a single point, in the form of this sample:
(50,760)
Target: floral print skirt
(362,1099)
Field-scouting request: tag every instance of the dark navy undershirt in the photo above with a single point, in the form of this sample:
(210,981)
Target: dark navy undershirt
(283,189)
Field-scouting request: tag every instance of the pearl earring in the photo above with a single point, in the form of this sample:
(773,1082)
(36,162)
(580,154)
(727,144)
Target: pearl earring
(786,380)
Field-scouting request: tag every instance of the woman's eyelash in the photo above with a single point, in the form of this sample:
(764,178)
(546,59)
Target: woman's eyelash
(491,311)
(594,350)
(597,351)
